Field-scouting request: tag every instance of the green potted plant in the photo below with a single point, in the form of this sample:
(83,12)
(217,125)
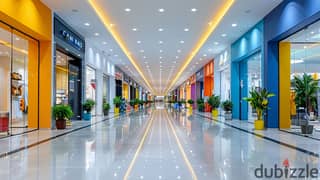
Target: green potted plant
(259,101)
(106,108)
(227,107)
(87,107)
(136,104)
(132,103)
(200,105)
(141,103)
(117,103)
(306,89)
(61,113)
(190,102)
(214,102)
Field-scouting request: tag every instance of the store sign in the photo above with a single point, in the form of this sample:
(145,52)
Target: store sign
(71,39)
(199,74)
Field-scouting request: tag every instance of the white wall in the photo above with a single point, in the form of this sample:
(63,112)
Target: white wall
(100,62)
(221,62)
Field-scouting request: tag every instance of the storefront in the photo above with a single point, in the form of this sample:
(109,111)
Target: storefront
(291,36)
(208,82)
(118,82)
(193,89)
(25,67)
(246,71)
(199,84)
(69,54)
(188,91)
(222,76)
(99,71)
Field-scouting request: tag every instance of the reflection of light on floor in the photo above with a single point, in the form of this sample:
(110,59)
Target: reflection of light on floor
(159,105)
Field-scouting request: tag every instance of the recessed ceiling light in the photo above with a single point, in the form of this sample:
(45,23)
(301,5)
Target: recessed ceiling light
(193,10)
(96,34)
(312,32)
(144,57)
(139,42)
(116,55)
(127,9)
(160,62)
(146,62)
(104,43)
(186,29)
(181,42)
(209,49)
(223,35)
(142,51)
(160,29)
(161,10)
(110,49)
(160,42)
(174,62)
(179,51)
(17,38)
(160,57)
(200,59)
(216,43)
(234,25)
(161,51)
(134,29)
(87,24)
(177,57)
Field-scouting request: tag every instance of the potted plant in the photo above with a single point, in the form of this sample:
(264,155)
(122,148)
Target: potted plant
(306,89)
(214,102)
(106,108)
(190,102)
(136,104)
(227,107)
(259,101)
(200,104)
(132,103)
(87,107)
(61,113)
(141,104)
(117,103)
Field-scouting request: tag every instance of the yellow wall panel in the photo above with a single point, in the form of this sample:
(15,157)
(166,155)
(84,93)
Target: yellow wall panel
(284,85)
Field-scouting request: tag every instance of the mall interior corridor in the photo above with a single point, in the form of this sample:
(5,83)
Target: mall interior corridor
(157,143)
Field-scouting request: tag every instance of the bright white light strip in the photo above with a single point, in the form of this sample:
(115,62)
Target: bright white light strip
(296,61)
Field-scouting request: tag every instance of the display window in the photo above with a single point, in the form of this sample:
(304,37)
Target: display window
(304,95)
(91,86)
(105,92)
(250,73)
(18,55)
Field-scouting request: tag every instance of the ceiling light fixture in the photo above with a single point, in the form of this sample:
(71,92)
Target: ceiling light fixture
(223,35)
(186,29)
(218,16)
(160,42)
(193,10)
(179,51)
(127,9)
(181,42)
(87,24)
(204,55)
(142,51)
(216,43)
(234,25)
(96,34)
(160,29)
(139,42)
(177,57)
(104,43)
(134,29)
(161,10)
(161,51)
(210,50)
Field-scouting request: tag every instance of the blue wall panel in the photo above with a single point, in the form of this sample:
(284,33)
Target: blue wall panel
(286,19)
(246,46)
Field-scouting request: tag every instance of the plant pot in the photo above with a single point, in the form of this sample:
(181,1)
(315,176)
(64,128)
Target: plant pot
(215,113)
(190,109)
(106,112)
(258,124)
(61,124)
(116,110)
(228,115)
(306,129)
(87,116)
(136,108)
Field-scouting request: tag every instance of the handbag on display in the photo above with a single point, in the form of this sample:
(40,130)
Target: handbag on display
(16,91)
(16,76)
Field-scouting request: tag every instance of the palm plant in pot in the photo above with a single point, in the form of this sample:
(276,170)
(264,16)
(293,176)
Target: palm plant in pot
(227,107)
(117,103)
(87,108)
(190,102)
(62,113)
(106,108)
(214,102)
(259,101)
(306,89)
(200,104)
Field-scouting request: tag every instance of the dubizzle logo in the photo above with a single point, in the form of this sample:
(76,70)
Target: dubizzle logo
(286,171)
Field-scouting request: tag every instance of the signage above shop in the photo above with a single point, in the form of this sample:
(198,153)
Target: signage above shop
(199,74)
(65,33)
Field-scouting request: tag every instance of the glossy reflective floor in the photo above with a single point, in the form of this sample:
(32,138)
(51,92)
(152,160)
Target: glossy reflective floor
(157,143)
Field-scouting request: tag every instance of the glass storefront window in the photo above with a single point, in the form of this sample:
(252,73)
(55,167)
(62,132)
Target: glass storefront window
(91,85)
(16,50)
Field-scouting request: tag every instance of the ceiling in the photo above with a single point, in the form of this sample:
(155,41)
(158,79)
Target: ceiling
(154,39)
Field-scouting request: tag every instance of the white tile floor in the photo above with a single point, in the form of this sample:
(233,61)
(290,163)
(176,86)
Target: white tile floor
(156,144)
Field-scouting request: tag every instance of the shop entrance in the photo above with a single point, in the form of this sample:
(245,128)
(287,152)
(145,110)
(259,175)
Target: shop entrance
(68,82)
(250,78)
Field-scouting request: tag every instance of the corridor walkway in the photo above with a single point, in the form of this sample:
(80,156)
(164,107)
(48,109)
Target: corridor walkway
(152,144)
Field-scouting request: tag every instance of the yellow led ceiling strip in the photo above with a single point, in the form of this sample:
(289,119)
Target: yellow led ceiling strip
(107,23)
(214,23)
